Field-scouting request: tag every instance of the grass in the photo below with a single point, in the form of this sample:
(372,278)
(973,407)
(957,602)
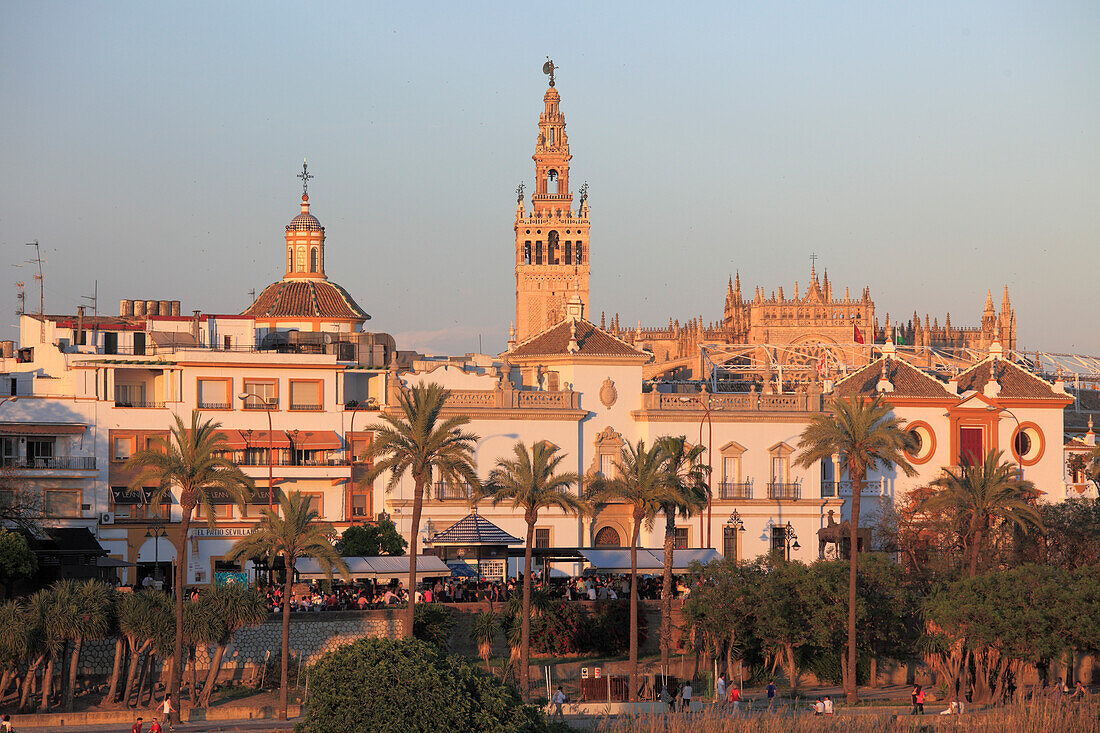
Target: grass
(1028,718)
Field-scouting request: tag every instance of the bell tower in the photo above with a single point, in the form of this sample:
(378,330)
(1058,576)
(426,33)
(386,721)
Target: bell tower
(552,239)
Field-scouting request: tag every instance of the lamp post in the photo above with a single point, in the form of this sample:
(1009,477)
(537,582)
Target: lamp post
(790,541)
(270,444)
(8,399)
(735,525)
(1019,459)
(155,532)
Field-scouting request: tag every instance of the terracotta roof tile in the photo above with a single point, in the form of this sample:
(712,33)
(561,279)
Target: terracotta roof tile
(306,298)
(592,340)
(1016,382)
(908,381)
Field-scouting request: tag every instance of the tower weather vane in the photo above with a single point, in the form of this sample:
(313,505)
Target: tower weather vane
(548,68)
(305,176)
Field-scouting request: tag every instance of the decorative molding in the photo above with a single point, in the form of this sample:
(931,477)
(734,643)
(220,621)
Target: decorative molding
(608,393)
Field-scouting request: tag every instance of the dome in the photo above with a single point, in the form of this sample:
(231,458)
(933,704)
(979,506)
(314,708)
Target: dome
(299,298)
(305,221)
(551,95)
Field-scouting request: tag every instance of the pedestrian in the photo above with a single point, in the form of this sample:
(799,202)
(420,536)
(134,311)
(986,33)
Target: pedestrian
(166,710)
(917,697)
(137,726)
(559,701)
(818,707)
(154,727)
(735,698)
(720,690)
(685,697)
(1079,692)
(5,724)
(828,705)
(771,693)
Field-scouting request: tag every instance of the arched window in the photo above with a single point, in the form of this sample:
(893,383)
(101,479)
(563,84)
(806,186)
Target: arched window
(301,259)
(580,252)
(289,259)
(568,254)
(552,182)
(607,537)
(538,253)
(313,261)
(526,253)
(551,135)
(552,248)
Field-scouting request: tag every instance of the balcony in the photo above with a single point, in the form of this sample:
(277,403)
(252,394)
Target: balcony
(445,491)
(304,407)
(661,402)
(248,460)
(729,490)
(215,406)
(141,404)
(782,491)
(52,463)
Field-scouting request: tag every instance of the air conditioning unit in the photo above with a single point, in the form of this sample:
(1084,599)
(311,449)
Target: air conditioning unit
(107,518)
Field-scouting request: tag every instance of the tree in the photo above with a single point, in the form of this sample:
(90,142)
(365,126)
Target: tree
(483,632)
(15,642)
(141,618)
(723,605)
(88,617)
(867,436)
(981,496)
(400,685)
(1071,536)
(371,540)
(640,481)
(192,464)
(231,608)
(686,480)
(530,481)
(422,444)
(16,559)
(296,534)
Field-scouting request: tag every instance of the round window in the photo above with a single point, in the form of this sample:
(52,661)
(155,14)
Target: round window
(923,442)
(1027,443)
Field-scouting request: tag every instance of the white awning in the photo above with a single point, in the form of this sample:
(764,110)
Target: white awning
(377,568)
(649,561)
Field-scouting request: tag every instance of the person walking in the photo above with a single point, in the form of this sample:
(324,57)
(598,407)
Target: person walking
(559,702)
(685,697)
(166,710)
(720,690)
(771,693)
(917,697)
(735,698)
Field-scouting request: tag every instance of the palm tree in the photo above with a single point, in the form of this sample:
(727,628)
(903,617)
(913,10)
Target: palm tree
(14,642)
(141,618)
(483,632)
(866,435)
(979,496)
(688,492)
(642,482)
(88,617)
(231,608)
(421,444)
(530,482)
(191,463)
(296,534)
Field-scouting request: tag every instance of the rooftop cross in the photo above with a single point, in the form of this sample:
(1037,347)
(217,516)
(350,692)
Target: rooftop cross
(305,176)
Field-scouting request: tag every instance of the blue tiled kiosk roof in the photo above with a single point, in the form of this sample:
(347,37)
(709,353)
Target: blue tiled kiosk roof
(474,529)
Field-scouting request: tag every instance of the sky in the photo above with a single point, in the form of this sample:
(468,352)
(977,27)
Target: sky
(932,151)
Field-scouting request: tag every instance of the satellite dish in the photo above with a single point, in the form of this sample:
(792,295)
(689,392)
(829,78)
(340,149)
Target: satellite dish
(547,68)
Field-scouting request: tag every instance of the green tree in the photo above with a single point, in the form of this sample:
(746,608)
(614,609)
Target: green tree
(483,632)
(686,478)
(141,619)
(982,496)
(1071,537)
(231,608)
(16,559)
(422,444)
(723,605)
(88,617)
(371,540)
(353,688)
(294,533)
(867,436)
(530,481)
(15,642)
(642,482)
(192,464)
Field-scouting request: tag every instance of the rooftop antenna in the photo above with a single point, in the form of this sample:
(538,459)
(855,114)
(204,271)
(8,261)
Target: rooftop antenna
(252,294)
(37,261)
(94,298)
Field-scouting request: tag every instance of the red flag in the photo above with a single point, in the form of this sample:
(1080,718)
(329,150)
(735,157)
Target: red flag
(858,335)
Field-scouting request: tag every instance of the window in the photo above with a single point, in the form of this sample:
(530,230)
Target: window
(538,253)
(62,503)
(315,503)
(552,248)
(607,537)
(729,543)
(1027,444)
(526,253)
(680,540)
(779,469)
(360,505)
(305,395)
(607,465)
(214,394)
(313,261)
(580,248)
(779,540)
(542,538)
(122,449)
(221,511)
(301,259)
(39,451)
(266,393)
(552,382)
(731,469)
(110,343)
(9,447)
(139,343)
(289,259)
(971,441)
(227,342)
(568,254)
(129,395)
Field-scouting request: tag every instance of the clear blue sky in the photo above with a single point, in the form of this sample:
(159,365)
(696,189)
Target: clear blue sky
(929,150)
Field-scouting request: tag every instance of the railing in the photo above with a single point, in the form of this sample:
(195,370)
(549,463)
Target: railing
(783,491)
(71,463)
(215,406)
(252,404)
(445,491)
(499,399)
(138,403)
(304,407)
(844,488)
(740,402)
(734,490)
(252,461)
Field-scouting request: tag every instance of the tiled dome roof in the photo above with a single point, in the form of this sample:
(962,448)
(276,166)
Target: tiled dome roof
(305,298)
(305,222)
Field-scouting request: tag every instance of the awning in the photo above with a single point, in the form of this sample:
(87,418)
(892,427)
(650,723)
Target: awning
(126,496)
(172,338)
(649,561)
(257,497)
(232,438)
(381,567)
(23,428)
(259,439)
(113,562)
(317,440)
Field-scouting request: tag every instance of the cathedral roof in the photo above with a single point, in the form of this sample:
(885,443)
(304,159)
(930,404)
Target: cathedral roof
(305,298)
(1015,381)
(908,381)
(591,340)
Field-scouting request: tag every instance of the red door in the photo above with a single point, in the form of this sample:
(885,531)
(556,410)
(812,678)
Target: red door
(970,446)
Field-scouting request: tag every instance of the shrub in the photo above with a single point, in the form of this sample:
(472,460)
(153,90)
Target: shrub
(433,623)
(609,627)
(561,630)
(404,685)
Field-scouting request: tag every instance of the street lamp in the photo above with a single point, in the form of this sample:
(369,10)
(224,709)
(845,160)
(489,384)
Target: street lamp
(7,400)
(155,532)
(270,444)
(710,466)
(790,541)
(734,525)
(1019,459)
